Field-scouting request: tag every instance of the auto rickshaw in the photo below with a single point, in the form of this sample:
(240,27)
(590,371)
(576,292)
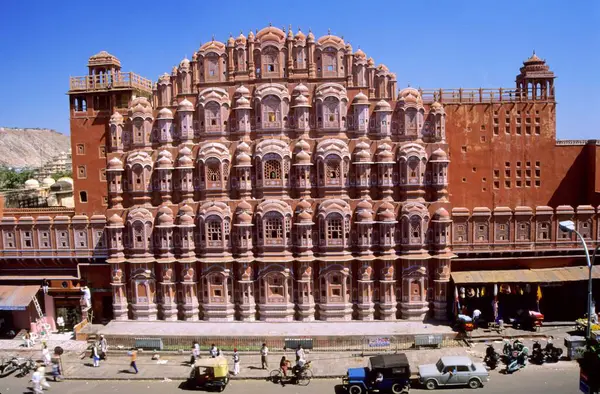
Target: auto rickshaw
(209,374)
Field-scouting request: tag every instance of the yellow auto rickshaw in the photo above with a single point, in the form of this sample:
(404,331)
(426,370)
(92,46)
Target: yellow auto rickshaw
(209,374)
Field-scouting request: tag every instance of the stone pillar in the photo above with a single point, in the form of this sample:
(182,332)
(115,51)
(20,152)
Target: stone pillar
(366,304)
(306,299)
(441,281)
(387,304)
(119,290)
(246,304)
(168,306)
(188,304)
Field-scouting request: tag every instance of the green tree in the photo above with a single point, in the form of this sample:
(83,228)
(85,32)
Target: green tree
(13,179)
(62,174)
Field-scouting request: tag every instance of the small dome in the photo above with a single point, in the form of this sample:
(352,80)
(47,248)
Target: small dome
(244,217)
(384,153)
(244,206)
(362,145)
(386,216)
(364,215)
(184,63)
(363,155)
(436,106)
(242,91)
(116,118)
(303,205)
(302,145)
(241,39)
(383,106)
(115,164)
(230,41)
(141,106)
(304,216)
(185,106)
(386,206)
(302,157)
(165,160)
(165,215)
(348,48)
(301,101)
(364,204)
(186,210)
(360,99)
(65,179)
(300,36)
(165,113)
(47,182)
(310,37)
(243,103)
(438,155)
(251,36)
(359,54)
(533,59)
(32,184)
(370,62)
(186,220)
(301,89)
(409,95)
(243,158)
(115,220)
(441,214)
(185,161)
(164,78)
(243,146)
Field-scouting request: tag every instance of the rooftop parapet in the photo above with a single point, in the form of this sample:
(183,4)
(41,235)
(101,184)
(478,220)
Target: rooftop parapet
(100,82)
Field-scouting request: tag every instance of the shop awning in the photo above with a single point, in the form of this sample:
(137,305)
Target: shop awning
(541,275)
(16,298)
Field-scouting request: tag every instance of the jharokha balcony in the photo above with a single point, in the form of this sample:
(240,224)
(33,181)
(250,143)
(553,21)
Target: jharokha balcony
(118,80)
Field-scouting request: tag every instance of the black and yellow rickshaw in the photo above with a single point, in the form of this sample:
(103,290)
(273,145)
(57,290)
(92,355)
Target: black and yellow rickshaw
(209,374)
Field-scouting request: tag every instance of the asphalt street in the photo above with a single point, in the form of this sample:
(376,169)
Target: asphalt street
(558,378)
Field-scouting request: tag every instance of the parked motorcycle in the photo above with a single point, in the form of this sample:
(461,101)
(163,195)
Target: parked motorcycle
(537,354)
(518,360)
(491,357)
(25,367)
(9,366)
(552,353)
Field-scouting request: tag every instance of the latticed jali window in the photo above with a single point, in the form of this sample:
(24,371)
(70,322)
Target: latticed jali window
(523,231)
(332,170)
(273,229)
(331,112)
(213,230)
(272,170)
(213,171)
(334,229)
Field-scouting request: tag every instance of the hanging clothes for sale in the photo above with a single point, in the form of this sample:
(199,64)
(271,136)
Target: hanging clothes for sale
(470,292)
(483,291)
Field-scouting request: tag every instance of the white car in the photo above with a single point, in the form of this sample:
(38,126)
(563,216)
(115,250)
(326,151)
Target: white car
(453,371)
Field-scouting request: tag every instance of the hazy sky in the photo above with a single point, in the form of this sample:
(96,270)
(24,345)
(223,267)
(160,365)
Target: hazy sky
(429,44)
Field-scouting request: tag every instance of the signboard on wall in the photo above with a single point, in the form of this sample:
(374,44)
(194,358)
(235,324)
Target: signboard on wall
(378,342)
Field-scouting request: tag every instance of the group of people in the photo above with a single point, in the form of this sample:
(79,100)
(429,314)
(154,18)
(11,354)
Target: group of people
(284,364)
(99,351)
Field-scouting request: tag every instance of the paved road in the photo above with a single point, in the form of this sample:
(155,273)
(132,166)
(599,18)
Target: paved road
(559,378)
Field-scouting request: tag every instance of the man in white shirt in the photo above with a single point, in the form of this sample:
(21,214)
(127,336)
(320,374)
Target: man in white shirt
(213,351)
(476,315)
(264,352)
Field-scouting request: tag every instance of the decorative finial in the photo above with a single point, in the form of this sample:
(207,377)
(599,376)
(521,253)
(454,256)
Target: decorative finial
(534,52)
(328,32)
(409,84)
(299,29)
(213,37)
(270,24)
(309,30)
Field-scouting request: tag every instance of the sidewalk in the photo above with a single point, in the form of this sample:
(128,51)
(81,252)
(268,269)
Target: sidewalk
(324,365)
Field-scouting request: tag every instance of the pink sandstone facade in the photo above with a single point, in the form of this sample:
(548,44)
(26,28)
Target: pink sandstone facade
(281,177)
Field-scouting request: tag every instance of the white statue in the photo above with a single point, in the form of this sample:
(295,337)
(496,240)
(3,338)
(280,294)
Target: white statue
(87,297)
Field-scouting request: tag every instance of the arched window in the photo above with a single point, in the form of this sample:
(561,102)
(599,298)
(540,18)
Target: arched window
(332,169)
(415,230)
(275,289)
(212,116)
(212,66)
(273,228)
(137,178)
(329,62)
(335,229)
(271,112)
(213,173)
(138,131)
(411,121)
(414,171)
(270,60)
(331,113)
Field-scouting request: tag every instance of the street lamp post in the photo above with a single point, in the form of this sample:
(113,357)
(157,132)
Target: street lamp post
(568,225)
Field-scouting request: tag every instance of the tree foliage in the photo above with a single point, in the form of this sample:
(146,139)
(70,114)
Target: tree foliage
(14,179)
(62,174)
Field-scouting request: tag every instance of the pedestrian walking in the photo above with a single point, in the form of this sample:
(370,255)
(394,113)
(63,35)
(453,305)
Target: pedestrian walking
(60,322)
(264,352)
(46,357)
(195,353)
(36,380)
(133,357)
(57,368)
(214,352)
(300,354)
(236,362)
(103,348)
(95,355)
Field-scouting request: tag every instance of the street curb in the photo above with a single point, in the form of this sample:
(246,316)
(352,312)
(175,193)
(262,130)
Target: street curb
(180,379)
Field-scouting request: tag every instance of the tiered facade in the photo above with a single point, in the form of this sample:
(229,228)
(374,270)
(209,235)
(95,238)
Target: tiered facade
(278,177)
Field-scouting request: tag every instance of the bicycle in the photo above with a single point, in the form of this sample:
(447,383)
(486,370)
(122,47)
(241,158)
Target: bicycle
(301,378)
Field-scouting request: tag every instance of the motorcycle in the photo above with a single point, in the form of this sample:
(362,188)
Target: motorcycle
(491,357)
(517,360)
(10,366)
(26,367)
(537,354)
(552,353)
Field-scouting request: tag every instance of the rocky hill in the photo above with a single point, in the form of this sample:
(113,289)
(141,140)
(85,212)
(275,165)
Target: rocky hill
(20,148)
